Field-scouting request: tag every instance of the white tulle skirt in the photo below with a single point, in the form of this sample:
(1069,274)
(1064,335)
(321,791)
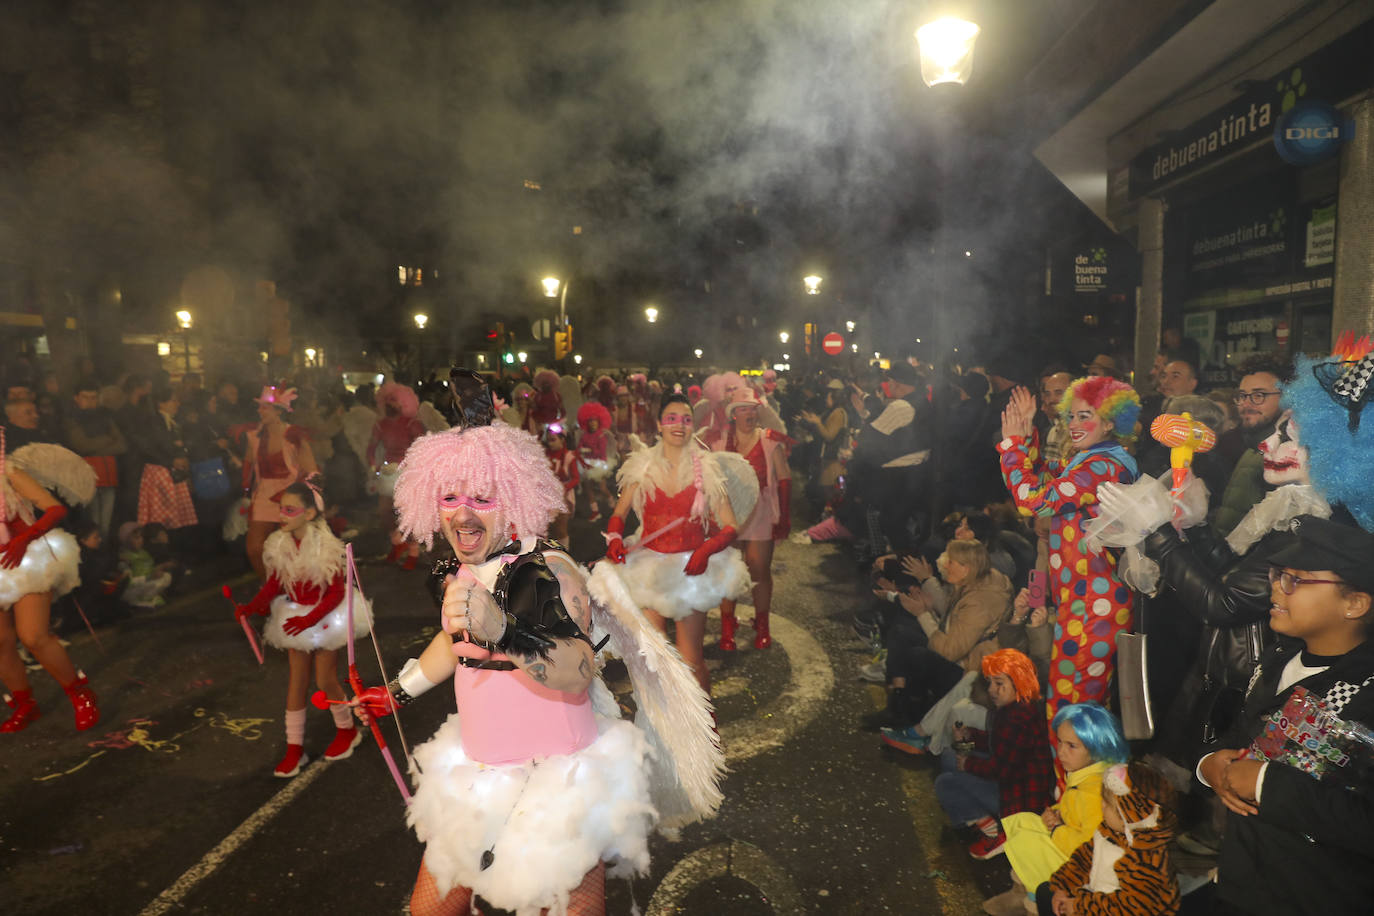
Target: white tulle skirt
(330,632)
(598,469)
(657,580)
(547,823)
(386,478)
(52,563)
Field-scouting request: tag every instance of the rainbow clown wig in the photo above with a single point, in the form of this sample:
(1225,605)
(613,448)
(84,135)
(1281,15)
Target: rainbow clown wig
(1326,411)
(1115,401)
(1018,668)
(1097,729)
(499,462)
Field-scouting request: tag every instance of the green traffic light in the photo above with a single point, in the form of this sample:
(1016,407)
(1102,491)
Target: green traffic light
(508,358)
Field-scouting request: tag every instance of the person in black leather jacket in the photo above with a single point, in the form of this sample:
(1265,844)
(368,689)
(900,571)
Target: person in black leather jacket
(1294,842)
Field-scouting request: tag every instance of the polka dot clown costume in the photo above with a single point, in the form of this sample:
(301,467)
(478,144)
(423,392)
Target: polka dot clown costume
(1092,603)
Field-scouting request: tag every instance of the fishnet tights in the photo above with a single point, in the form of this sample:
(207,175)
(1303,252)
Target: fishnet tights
(587,899)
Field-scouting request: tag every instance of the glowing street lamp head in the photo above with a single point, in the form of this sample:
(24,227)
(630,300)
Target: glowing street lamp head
(551,285)
(813,285)
(849,326)
(651,314)
(697,351)
(421,319)
(522,356)
(577,358)
(784,336)
(184,319)
(310,354)
(947,50)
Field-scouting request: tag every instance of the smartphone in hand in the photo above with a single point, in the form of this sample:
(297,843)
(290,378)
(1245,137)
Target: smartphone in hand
(1036,587)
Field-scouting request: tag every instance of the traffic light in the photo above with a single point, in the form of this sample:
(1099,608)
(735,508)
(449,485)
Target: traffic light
(562,342)
(809,332)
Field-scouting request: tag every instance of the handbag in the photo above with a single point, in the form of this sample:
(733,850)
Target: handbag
(209,479)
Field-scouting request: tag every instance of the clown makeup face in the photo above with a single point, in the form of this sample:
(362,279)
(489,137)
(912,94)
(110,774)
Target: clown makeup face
(474,526)
(675,424)
(1001,690)
(1285,460)
(294,513)
(1086,428)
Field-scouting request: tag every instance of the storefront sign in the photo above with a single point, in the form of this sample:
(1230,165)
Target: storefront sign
(1337,71)
(1321,237)
(1090,271)
(1310,132)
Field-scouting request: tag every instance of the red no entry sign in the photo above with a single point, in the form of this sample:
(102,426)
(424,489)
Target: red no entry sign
(832,343)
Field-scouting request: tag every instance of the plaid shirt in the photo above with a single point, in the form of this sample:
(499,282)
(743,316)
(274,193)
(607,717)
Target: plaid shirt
(1019,758)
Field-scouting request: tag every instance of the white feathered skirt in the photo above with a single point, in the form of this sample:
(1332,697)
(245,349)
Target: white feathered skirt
(52,563)
(547,823)
(658,581)
(598,469)
(330,632)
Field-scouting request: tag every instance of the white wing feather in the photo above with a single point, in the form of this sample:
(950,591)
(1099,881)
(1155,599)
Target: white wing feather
(674,712)
(57,469)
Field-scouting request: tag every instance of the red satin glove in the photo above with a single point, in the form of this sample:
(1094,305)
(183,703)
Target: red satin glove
(328,601)
(262,601)
(702,555)
(615,540)
(784,525)
(13,553)
(376,701)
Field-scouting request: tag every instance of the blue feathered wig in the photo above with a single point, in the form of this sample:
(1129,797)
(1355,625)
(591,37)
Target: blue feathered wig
(1340,449)
(1097,729)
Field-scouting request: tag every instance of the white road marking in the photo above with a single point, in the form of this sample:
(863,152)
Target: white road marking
(172,896)
(810,681)
(735,858)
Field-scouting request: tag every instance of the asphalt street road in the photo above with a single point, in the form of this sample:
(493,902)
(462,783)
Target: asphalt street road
(170,806)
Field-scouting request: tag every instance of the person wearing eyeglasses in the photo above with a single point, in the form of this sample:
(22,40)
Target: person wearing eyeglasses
(1257,402)
(1296,842)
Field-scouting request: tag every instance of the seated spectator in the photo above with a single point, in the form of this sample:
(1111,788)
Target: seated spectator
(99,596)
(1090,740)
(925,662)
(146,578)
(1125,869)
(1007,770)
(1297,842)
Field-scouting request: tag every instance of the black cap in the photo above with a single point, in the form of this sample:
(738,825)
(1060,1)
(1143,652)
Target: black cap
(904,373)
(1322,544)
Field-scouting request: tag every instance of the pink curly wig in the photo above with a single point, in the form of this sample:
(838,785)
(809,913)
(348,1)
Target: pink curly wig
(713,388)
(402,397)
(545,379)
(497,461)
(592,410)
(1115,401)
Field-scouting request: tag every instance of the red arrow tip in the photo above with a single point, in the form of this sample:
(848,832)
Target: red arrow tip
(228,592)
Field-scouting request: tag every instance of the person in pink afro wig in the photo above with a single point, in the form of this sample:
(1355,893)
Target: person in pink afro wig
(497,463)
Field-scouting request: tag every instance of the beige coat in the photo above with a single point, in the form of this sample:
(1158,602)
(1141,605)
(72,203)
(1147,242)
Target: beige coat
(969,630)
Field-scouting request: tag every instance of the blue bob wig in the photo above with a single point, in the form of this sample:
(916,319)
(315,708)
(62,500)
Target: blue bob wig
(1097,729)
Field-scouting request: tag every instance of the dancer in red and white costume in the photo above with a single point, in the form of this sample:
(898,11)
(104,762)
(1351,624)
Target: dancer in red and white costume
(595,454)
(305,601)
(686,499)
(563,462)
(277,456)
(39,561)
(397,428)
(771,520)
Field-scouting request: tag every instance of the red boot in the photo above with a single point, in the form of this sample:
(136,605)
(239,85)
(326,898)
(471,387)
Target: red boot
(345,740)
(83,703)
(25,711)
(396,551)
(291,764)
(727,630)
(411,561)
(761,638)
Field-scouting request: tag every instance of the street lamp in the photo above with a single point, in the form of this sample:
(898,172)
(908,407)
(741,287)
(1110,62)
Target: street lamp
(849,326)
(522,356)
(421,319)
(184,319)
(784,336)
(651,314)
(813,285)
(697,351)
(551,285)
(577,358)
(310,354)
(947,50)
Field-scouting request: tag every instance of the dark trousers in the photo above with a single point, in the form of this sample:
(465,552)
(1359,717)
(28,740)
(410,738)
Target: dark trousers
(929,676)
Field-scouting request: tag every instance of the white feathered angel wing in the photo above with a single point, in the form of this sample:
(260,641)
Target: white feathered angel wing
(674,712)
(570,390)
(741,483)
(57,469)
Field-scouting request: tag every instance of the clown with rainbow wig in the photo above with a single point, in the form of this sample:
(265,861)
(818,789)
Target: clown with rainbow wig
(535,785)
(1093,605)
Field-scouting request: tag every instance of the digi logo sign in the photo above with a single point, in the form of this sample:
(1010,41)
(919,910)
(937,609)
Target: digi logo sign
(1310,132)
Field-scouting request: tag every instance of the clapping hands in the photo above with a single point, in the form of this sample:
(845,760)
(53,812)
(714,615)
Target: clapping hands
(1018,417)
